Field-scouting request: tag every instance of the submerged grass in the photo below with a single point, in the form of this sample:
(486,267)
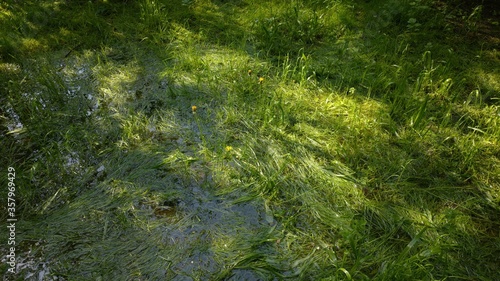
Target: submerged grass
(215,140)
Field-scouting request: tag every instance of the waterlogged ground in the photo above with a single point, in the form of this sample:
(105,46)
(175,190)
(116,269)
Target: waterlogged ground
(216,140)
(154,204)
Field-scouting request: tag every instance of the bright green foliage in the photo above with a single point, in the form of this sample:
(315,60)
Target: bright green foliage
(252,140)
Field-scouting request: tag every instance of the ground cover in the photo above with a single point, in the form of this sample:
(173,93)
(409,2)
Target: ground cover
(250,140)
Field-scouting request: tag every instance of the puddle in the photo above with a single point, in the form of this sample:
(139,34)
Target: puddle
(72,161)
(33,268)
(74,80)
(199,220)
(77,78)
(201,263)
(205,228)
(167,209)
(243,275)
(14,124)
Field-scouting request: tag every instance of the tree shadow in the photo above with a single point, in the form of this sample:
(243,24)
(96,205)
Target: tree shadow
(130,176)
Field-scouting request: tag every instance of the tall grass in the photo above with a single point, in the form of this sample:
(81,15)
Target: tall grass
(310,140)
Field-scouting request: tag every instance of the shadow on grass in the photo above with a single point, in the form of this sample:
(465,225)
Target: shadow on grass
(130,190)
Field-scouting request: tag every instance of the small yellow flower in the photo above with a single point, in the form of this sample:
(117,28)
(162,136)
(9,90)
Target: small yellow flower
(229,148)
(249,72)
(193,108)
(261,79)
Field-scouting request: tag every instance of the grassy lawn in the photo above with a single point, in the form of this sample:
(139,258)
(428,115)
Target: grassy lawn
(251,140)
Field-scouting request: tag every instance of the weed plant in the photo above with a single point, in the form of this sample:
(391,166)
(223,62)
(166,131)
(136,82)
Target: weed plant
(250,140)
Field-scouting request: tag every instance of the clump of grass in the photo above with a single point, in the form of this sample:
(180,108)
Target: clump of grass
(154,16)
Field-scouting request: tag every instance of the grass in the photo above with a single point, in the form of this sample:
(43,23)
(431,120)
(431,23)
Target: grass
(332,140)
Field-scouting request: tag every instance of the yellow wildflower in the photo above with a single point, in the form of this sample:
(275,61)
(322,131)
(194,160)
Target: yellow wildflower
(261,79)
(229,148)
(249,72)
(193,108)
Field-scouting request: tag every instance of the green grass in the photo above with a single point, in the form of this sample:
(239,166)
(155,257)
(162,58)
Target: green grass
(332,140)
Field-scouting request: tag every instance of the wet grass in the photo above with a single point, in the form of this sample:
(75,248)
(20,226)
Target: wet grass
(330,140)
